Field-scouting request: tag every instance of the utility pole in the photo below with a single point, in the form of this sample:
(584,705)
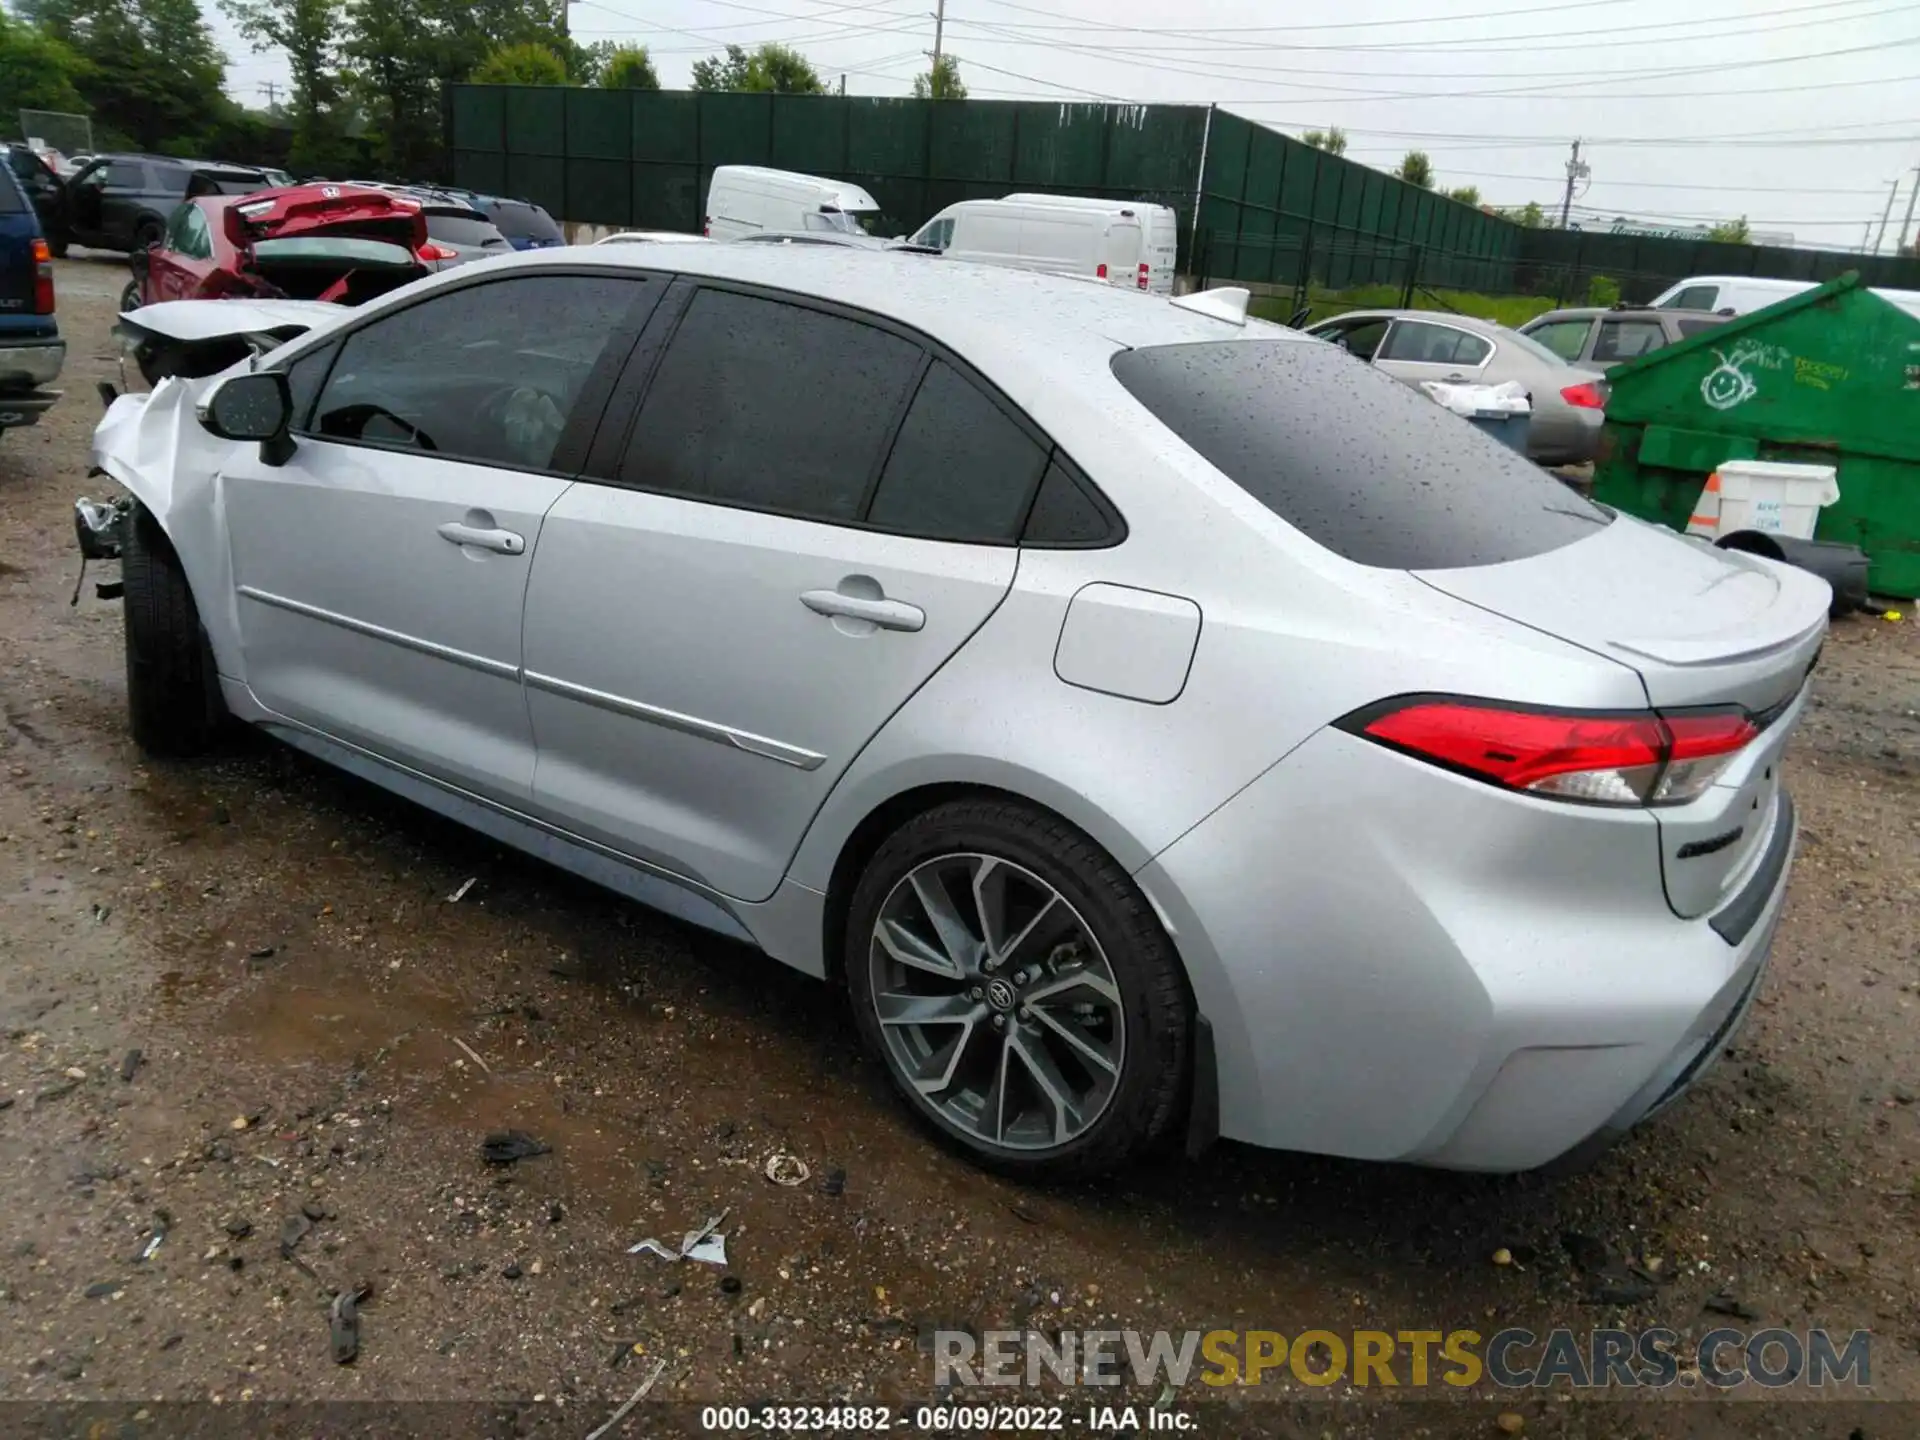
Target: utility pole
(271,91)
(1906,225)
(939,32)
(843,84)
(1865,231)
(1886,215)
(1577,170)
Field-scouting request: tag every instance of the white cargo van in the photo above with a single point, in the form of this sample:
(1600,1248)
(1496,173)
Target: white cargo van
(749,200)
(1123,242)
(1742,294)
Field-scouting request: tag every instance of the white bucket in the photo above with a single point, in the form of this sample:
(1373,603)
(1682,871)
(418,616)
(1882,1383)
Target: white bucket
(1773,497)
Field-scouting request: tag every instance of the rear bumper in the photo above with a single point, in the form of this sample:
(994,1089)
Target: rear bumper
(26,364)
(1402,964)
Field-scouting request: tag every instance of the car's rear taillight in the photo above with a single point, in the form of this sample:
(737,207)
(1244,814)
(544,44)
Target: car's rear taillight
(706,227)
(1100,271)
(1142,280)
(42,278)
(435,251)
(1634,757)
(1584,397)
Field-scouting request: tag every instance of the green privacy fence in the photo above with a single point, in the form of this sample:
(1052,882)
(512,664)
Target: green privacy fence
(642,159)
(1270,209)
(1283,213)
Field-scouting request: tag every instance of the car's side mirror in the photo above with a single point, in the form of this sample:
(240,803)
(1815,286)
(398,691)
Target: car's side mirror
(254,406)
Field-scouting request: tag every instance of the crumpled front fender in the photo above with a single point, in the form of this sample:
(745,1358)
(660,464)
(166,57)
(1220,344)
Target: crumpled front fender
(154,447)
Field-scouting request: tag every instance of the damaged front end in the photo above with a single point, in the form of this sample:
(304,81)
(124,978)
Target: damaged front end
(100,527)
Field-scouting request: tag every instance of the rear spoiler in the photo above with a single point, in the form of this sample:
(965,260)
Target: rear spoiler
(242,229)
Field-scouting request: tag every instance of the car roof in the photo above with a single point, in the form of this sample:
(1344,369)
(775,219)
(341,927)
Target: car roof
(1594,312)
(1438,317)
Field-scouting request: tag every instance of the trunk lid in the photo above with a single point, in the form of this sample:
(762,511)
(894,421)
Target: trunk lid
(1701,627)
(342,210)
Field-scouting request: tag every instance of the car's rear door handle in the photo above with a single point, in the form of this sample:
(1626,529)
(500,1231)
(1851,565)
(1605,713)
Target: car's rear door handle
(887,614)
(504,541)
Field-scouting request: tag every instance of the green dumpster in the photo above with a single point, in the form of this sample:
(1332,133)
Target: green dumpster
(1830,376)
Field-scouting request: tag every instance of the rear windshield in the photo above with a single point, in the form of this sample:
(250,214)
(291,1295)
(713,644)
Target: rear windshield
(1366,466)
(525,222)
(12,202)
(332,250)
(459,227)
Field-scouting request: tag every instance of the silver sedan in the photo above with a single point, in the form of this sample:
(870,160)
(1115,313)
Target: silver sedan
(1157,725)
(1417,345)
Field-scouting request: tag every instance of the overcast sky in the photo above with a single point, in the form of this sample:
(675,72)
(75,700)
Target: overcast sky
(1796,113)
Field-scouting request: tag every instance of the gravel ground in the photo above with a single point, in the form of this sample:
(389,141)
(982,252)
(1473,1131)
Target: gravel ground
(238,1005)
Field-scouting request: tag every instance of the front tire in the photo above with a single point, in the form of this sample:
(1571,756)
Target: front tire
(1019,990)
(173,696)
(130,297)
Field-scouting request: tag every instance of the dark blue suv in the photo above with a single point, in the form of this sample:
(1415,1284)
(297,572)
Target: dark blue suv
(31,350)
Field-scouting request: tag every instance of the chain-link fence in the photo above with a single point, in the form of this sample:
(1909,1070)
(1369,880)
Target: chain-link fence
(69,134)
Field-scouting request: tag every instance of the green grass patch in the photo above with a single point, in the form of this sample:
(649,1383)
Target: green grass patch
(1509,310)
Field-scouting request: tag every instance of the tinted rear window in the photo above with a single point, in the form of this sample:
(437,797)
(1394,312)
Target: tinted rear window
(1363,465)
(459,228)
(524,222)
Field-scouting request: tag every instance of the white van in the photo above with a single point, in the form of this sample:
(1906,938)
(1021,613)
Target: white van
(1742,294)
(1123,242)
(749,200)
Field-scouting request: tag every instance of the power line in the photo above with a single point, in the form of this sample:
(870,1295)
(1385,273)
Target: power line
(1669,184)
(1468,46)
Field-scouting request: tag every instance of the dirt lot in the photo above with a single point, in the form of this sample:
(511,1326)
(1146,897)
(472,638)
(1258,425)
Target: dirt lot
(236,1002)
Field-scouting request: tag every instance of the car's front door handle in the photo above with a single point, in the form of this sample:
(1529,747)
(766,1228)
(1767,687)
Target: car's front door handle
(504,541)
(887,614)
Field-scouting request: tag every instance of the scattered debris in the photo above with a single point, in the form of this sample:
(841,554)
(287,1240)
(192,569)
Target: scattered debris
(556,1212)
(1725,1302)
(787,1170)
(344,1322)
(314,1211)
(161,1221)
(1503,1256)
(458,895)
(512,1271)
(238,1228)
(472,1054)
(1510,1423)
(835,1182)
(1587,1253)
(56,1092)
(659,1368)
(730,1285)
(240,1122)
(263,952)
(293,1230)
(702,1244)
(103,1289)
(1623,1290)
(130,1063)
(503,1147)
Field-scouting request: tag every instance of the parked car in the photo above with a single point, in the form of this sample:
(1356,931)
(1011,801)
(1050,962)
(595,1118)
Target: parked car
(1124,242)
(1457,837)
(31,350)
(41,183)
(750,199)
(1596,339)
(1416,345)
(1743,294)
(457,230)
(526,225)
(121,202)
(312,242)
(651,237)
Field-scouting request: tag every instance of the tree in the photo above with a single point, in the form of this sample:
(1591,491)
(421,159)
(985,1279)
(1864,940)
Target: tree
(1528,216)
(776,69)
(37,71)
(1332,140)
(629,67)
(1466,195)
(942,82)
(305,30)
(523,64)
(150,70)
(1732,232)
(1416,169)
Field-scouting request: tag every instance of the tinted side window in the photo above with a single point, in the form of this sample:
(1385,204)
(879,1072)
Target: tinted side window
(1363,465)
(1065,515)
(486,372)
(13,198)
(1434,344)
(1626,339)
(1694,297)
(304,378)
(961,468)
(770,406)
(126,175)
(1360,339)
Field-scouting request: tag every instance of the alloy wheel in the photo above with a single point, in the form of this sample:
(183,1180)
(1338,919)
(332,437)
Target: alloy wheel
(996,1003)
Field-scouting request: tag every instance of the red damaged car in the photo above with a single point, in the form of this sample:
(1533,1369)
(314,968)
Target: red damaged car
(339,243)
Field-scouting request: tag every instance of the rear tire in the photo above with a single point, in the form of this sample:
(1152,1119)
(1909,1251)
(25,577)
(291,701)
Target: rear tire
(147,234)
(130,297)
(58,247)
(1060,1056)
(173,696)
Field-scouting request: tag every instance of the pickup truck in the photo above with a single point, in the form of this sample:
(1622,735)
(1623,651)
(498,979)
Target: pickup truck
(31,350)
